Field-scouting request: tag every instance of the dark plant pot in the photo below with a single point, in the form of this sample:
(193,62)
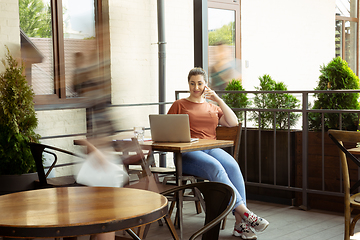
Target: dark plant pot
(17,183)
(261,169)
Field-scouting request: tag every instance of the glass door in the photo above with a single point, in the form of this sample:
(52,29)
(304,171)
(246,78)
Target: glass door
(224,43)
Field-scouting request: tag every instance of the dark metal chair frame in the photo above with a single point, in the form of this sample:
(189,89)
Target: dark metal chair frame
(219,201)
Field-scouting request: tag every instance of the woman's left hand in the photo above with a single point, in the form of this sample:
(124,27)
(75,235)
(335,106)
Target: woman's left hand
(211,94)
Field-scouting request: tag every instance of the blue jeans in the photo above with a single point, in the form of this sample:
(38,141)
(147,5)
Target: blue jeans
(218,166)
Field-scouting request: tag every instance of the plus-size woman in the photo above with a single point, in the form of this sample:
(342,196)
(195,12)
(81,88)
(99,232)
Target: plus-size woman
(215,164)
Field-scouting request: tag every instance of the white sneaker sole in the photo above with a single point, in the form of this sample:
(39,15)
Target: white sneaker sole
(263,228)
(236,234)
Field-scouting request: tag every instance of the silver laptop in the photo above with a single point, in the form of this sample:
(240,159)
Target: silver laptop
(170,128)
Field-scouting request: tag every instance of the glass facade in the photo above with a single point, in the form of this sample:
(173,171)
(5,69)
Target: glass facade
(346,32)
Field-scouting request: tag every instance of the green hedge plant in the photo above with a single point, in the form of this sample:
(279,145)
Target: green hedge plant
(274,101)
(236,100)
(334,76)
(17,119)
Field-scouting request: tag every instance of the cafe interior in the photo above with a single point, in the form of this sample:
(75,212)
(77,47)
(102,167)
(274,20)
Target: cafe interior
(137,55)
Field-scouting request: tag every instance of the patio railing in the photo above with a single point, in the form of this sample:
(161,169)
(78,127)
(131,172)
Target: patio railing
(305,97)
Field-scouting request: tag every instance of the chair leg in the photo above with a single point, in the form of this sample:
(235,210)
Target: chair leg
(146,231)
(141,231)
(172,206)
(223,223)
(132,234)
(198,207)
(347,223)
(200,200)
(171,227)
(160,223)
(352,225)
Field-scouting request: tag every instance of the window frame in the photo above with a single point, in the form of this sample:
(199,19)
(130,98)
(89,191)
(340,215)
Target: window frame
(101,19)
(234,5)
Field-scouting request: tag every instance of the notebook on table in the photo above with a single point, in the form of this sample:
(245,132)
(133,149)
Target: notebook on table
(170,128)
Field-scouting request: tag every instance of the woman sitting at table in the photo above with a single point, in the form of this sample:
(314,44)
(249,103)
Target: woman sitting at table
(215,164)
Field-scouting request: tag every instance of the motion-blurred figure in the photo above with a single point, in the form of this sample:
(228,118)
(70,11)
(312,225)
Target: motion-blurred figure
(92,84)
(225,68)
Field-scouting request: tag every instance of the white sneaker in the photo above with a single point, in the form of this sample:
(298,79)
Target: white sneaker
(244,231)
(257,223)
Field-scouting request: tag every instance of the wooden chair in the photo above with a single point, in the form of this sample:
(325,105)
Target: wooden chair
(37,150)
(131,153)
(231,133)
(351,202)
(222,133)
(219,200)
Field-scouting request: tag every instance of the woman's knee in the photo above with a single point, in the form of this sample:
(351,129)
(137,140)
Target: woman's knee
(210,171)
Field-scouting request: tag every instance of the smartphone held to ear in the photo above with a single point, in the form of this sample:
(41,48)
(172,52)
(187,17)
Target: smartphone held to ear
(203,93)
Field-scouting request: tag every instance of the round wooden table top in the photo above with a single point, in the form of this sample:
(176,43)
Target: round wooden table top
(74,211)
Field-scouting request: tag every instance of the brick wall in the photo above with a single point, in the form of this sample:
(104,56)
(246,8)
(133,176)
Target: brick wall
(62,122)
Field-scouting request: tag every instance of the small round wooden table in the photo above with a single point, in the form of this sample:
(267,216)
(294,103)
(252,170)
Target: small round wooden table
(75,211)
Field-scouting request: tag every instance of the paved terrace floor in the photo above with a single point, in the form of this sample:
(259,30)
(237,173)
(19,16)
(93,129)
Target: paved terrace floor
(286,222)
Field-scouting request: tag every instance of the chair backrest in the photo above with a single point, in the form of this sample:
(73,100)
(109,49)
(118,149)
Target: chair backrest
(132,153)
(219,201)
(37,150)
(230,133)
(339,137)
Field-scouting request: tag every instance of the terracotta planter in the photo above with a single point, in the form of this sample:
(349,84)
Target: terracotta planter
(17,183)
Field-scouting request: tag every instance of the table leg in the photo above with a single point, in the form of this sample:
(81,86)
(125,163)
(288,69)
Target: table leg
(179,200)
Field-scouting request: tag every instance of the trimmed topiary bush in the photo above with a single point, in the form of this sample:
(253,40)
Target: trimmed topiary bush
(17,120)
(274,101)
(236,100)
(335,76)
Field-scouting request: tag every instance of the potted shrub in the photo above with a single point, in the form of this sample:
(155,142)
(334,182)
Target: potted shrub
(274,101)
(17,122)
(267,135)
(236,100)
(336,75)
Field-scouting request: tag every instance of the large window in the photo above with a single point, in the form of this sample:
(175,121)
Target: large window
(57,30)
(224,42)
(346,32)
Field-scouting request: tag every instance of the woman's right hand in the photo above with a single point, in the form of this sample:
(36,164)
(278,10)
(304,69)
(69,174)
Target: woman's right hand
(211,94)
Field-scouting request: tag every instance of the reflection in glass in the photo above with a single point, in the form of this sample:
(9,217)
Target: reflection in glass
(350,44)
(346,50)
(35,22)
(79,36)
(222,61)
(338,39)
(346,8)
(221,29)
(221,26)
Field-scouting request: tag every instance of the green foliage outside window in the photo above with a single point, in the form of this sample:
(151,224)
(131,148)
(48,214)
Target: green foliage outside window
(337,75)
(274,101)
(35,18)
(225,34)
(236,100)
(17,120)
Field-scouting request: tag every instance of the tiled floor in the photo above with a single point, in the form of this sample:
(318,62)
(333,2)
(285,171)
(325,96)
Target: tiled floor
(286,222)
